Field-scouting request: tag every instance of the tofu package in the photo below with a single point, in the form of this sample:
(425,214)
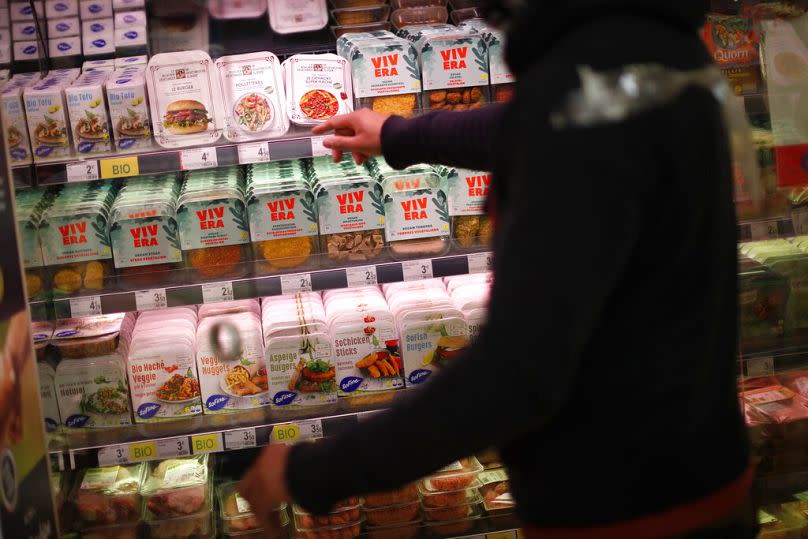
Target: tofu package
(95,9)
(128,61)
(254,96)
(129,110)
(186,99)
(46,114)
(70,26)
(318,87)
(55,9)
(87,110)
(12,110)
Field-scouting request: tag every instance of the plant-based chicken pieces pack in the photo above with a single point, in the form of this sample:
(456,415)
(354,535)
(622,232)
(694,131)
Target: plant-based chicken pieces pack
(237,516)
(467,191)
(106,496)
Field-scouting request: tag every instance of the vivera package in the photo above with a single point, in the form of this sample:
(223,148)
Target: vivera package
(468,191)
(454,70)
(254,96)
(318,87)
(185,99)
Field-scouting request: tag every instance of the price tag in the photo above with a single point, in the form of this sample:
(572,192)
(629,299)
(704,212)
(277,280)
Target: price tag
(84,171)
(85,306)
(197,158)
(215,292)
(317,148)
(294,432)
(298,282)
(173,447)
(255,152)
(113,455)
(239,439)
(764,230)
(481,262)
(311,429)
(146,300)
(362,276)
(761,366)
(142,451)
(207,443)
(416,270)
(510,534)
(120,167)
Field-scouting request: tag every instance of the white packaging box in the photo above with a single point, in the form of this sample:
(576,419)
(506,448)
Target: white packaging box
(128,19)
(87,111)
(120,5)
(46,117)
(95,9)
(5,46)
(96,27)
(23,51)
(5,20)
(12,111)
(21,11)
(129,111)
(131,37)
(64,46)
(98,44)
(69,73)
(23,31)
(70,26)
(127,61)
(98,65)
(5,74)
(55,9)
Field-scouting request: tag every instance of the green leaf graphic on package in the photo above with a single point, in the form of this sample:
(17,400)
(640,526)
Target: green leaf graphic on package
(100,229)
(239,213)
(172,233)
(481,56)
(442,206)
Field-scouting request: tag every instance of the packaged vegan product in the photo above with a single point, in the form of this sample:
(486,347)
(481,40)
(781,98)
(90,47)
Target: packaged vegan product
(178,498)
(46,114)
(458,475)
(393,514)
(777,403)
(417,15)
(88,114)
(386,76)
(454,68)
(185,99)
(502,79)
(237,516)
(162,365)
(469,507)
(12,111)
(347,512)
(340,31)
(318,87)
(496,491)
(47,392)
(89,336)
(74,234)
(129,110)
(111,495)
(343,531)
(401,496)
(468,192)
(92,392)
(293,16)
(762,300)
(733,44)
(29,206)
(213,227)
(237,384)
(237,9)
(254,96)
(416,214)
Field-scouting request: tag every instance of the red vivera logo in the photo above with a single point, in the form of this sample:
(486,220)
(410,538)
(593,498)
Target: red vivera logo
(414,209)
(385,65)
(351,202)
(211,218)
(407,185)
(454,58)
(282,210)
(74,233)
(144,236)
(478,185)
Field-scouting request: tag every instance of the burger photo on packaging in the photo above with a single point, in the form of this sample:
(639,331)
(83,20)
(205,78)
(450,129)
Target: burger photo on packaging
(185,117)
(51,132)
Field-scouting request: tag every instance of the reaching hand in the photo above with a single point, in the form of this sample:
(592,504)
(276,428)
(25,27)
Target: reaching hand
(359,132)
(264,484)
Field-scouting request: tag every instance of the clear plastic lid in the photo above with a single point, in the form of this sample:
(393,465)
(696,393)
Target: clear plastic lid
(165,478)
(419,15)
(361,15)
(109,495)
(237,515)
(460,474)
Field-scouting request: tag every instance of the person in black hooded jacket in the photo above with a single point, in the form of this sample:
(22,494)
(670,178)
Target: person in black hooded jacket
(606,373)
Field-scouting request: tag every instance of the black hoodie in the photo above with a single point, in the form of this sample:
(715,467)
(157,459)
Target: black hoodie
(606,373)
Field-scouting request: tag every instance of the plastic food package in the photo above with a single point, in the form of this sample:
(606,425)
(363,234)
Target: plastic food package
(105,496)
(46,114)
(212,222)
(345,514)
(345,531)
(468,191)
(470,507)
(411,16)
(452,528)
(254,96)
(86,105)
(459,474)
(12,111)
(185,99)
(502,78)
(130,117)
(395,514)
(177,488)
(238,384)
(237,9)
(404,4)
(433,498)
(293,16)
(778,403)
(341,31)
(89,336)
(237,516)
(92,392)
(318,87)
(404,495)
(47,393)
(762,300)
(361,15)
(117,531)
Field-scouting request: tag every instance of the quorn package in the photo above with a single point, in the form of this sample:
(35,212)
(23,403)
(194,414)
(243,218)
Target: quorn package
(185,99)
(254,96)
(318,87)
(468,191)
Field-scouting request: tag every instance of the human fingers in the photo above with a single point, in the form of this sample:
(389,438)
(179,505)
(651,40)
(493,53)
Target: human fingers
(342,144)
(343,121)
(336,155)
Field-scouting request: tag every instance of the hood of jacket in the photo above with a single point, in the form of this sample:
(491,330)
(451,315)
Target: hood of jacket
(534,25)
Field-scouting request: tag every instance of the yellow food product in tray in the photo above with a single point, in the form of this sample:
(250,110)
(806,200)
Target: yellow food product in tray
(403,105)
(286,253)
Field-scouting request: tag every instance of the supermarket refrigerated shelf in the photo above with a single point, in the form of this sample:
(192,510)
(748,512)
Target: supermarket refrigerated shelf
(196,293)
(764,229)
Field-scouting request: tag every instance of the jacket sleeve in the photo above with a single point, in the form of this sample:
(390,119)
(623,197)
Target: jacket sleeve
(458,139)
(524,365)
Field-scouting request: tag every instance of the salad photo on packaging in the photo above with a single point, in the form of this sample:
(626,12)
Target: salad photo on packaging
(185,99)
(254,96)
(318,87)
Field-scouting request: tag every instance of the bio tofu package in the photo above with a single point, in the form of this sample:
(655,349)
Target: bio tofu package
(88,114)
(12,110)
(46,113)
(254,96)
(129,110)
(186,99)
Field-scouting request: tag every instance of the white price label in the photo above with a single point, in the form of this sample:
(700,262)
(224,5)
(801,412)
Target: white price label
(317,147)
(481,262)
(85,306)
(762,366)
(113,455)
(146,300)
(416,270)
(173,447)
(764,230)
(239,439)
(311,429)
(84,171)
(254,152)
(298,282)
(362,276)
(197,158)
(215,292)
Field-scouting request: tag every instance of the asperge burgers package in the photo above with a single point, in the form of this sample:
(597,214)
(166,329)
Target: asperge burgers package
(318,87)
(254,96)
(185,99)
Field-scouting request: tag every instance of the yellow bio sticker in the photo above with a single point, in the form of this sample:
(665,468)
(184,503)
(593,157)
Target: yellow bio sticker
(142,451)
(286,433)
(119,167)
(206,443)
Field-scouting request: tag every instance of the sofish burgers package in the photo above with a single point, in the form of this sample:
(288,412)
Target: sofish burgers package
(185,99)
(318,87)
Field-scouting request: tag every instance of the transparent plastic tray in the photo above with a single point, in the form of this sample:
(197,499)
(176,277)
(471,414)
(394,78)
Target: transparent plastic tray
(361,15)
(447,498)
(392,514)
(456,476)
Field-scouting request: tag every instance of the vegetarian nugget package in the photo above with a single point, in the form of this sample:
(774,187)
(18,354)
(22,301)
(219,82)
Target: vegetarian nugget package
(254,96)
(318,87)
(454,68)
(185,99)
(468,191)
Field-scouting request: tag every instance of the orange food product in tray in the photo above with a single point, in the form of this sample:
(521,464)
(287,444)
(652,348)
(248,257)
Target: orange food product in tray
(432,498)
(401,496)
(778,403)
(394,514)
(457,475)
